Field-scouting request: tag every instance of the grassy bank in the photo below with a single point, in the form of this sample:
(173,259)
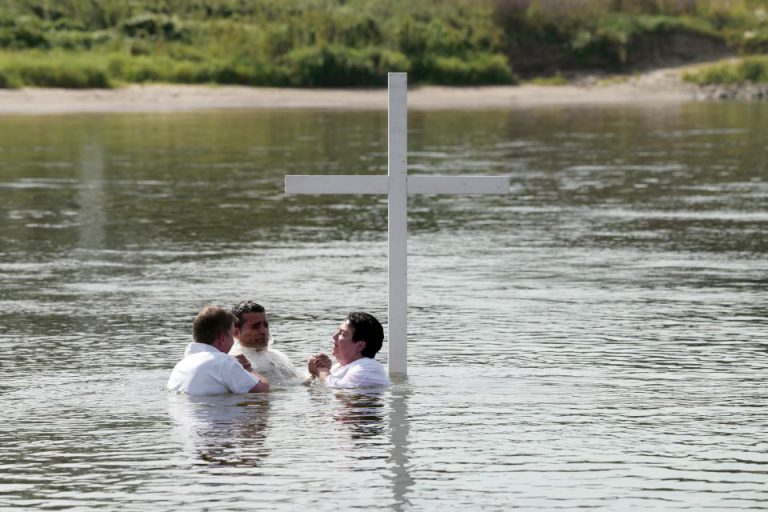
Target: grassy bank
(308,43)
(353,43)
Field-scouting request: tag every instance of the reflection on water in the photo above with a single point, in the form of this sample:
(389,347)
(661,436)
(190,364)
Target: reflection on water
(595,340)
(237,431)
(91,213)
(402,482)
(361,412)
(228,430)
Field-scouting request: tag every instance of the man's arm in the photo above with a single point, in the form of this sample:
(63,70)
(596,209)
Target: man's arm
(263,385)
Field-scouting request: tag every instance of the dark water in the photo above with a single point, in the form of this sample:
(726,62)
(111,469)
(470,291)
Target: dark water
(595,340)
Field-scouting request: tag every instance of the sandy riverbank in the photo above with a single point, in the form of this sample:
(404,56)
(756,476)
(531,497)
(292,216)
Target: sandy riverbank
(657,87)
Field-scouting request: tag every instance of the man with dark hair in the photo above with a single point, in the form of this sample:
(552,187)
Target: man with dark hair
(206,368)
(255,343)
(355,344)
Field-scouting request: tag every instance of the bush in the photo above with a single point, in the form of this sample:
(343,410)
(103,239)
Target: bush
(338,66)
(237,73)
(153,26)
(24,33)
(9,80)
(753,69)
(55,73)
(190,73)
(477,69)
(139,69)
(750,69)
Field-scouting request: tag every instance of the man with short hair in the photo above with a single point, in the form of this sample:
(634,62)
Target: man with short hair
(355,344)
(206,368)
(255,342)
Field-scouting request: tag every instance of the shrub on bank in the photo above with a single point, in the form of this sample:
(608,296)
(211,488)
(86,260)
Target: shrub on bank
(476,69)
(8,80)
(51,70)
(748,70)
(339,66)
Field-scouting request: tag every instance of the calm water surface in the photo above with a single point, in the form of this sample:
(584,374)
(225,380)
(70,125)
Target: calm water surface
(595,340)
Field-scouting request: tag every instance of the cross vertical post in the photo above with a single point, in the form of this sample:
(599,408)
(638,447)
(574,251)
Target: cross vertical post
(397,231)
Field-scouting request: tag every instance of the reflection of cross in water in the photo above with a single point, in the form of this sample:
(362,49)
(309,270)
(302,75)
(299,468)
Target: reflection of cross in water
(397,185)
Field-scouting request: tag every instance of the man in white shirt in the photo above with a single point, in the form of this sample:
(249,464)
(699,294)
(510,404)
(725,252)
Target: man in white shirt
(255,342)
(355,344)
(206,368)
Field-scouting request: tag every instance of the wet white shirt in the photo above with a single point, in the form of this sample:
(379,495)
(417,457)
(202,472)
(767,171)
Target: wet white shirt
(360,373)
(272,364)
(205,370)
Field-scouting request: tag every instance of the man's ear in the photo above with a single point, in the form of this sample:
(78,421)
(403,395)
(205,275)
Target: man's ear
(219,343)
(237,332)
(365,344)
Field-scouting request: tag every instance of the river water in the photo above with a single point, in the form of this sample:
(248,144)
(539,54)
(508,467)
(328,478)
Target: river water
(596,340)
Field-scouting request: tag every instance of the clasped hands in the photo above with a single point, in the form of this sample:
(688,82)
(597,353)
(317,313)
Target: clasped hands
(318,362)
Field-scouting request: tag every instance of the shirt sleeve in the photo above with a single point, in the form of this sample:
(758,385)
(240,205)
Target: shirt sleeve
(235,378)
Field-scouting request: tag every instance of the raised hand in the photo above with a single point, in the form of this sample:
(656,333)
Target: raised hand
(244,362)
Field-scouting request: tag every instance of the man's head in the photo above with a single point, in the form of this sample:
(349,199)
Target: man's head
(252,325)
(360,335)
(214,326)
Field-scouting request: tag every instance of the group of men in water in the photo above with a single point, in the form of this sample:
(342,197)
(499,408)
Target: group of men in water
(232,352)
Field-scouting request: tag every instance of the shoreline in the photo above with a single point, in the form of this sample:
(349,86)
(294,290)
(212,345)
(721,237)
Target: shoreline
(658,87)
(189,98)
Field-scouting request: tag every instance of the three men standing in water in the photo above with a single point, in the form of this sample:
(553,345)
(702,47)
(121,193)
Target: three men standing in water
(207,369)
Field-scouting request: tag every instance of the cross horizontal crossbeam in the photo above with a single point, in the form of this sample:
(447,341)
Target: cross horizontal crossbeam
(368,185)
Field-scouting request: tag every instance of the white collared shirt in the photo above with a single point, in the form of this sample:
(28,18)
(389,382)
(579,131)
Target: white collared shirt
(205,370)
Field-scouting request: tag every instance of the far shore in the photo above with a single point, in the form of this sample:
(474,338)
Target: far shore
(659,87)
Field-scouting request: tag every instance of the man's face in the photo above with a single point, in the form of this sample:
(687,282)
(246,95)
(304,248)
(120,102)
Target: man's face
(344,349)
(254,333)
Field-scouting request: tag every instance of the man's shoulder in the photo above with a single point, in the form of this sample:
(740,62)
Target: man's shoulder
(369,363)
(360,373)
(208,358)
(370,371)
(202,351)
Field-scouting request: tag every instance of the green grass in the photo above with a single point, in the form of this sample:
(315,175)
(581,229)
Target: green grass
(42,69)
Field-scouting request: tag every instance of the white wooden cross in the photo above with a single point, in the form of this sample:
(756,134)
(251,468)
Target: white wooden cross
(397,184)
